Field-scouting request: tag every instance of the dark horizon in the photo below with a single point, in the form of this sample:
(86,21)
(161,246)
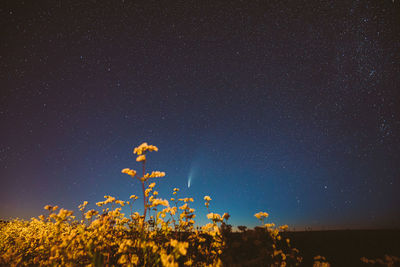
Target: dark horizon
(291,109)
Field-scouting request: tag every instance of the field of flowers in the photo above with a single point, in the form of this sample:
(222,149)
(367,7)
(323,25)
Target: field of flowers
(164,235)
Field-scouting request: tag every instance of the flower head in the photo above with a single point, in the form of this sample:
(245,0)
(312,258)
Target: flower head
(269,225)
(284,227)
(261,215)
(143,148)
(140,149)
(141,158)
(214,216)
(226,216)
(120,202)
(157,174)
(129,172)
(159,201)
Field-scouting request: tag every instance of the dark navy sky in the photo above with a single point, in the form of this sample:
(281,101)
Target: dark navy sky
(286,107)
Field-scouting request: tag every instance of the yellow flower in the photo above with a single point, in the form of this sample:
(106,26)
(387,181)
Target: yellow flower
(319,257)
(121,202)
(284,227)
(173,210)
(168,260)
(143,148)
(133,196)
(207,227)
(140,149)
(189,262)
(214,217)
(109,199)
(207,198)
(173,242)
(123,259)
(152,148)
(269,225)
(226,216)
(261,215)
(129,172)
(90,214)
(152,185)
(158,201)
(63,213)
(83,206)
(134,260)
(141,158)
(157,174)
(182,246)
(147,191)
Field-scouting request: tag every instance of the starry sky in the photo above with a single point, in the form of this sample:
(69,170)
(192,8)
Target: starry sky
(288,107)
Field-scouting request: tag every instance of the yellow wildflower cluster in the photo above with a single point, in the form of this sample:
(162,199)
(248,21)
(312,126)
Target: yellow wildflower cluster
(284,227)
(261,215)
(120,202)
(154,174)
(226,216)
(141,158)
(176,190)
(90,214)
(269,225)
(50,208)
(387,260)
(110,238)
(82,206)
(158,201)
(129,172)
(214,217)
(187,199)
(207,203)
(143,148)
(320,261)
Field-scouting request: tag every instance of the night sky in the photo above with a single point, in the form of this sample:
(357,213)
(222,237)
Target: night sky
(288,107)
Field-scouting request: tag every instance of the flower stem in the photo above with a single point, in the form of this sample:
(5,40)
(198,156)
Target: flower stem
(144,194)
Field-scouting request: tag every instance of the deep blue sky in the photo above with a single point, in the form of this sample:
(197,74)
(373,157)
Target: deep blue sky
(289,108)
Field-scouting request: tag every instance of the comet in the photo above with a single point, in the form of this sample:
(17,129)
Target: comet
(190,176)
(193,173)
(190,180)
